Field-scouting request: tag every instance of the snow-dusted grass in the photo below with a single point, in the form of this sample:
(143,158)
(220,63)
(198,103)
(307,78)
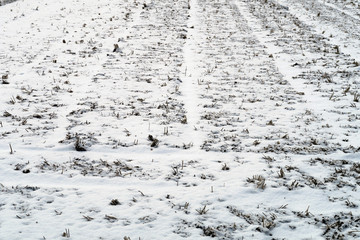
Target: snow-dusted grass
(192,119)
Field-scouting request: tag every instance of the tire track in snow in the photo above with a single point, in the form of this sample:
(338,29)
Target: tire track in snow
(191,75)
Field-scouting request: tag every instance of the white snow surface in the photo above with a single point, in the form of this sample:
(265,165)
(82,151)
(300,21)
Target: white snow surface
(181,119)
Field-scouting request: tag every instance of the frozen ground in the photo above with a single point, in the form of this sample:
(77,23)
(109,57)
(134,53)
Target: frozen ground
(140,119)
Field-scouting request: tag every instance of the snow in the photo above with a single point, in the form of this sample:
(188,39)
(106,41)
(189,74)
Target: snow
(225,119)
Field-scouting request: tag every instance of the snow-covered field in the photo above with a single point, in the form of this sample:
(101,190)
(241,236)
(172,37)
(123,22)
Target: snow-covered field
(181,119)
